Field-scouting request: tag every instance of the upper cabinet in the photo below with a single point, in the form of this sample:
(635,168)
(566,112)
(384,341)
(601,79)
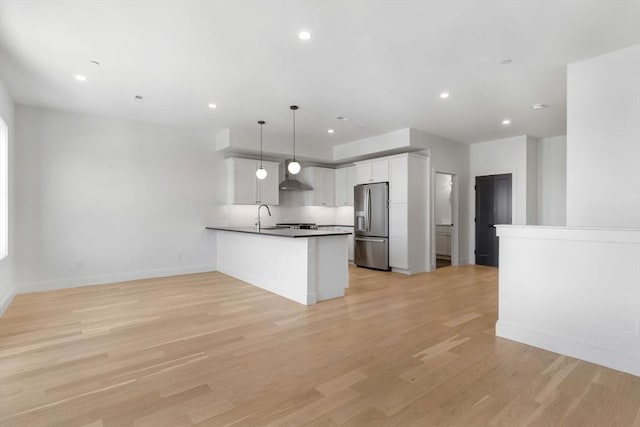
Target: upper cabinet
(243,188)
(322,181)
(399,179)
(345,179)
(372,171)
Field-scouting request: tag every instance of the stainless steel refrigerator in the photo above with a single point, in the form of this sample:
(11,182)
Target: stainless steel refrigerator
(371,222)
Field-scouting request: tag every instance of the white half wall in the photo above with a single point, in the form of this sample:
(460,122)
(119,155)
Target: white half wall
(580,297)
(603,140)
(302,269)
(552,181)
(101,200)
(7,265)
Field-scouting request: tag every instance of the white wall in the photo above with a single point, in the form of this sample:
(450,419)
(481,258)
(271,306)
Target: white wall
(7,276)
(384,144)
(443,198)
(516,155)
(452,157)
(532,180)
(552,181)
(100,199)
(603,140)
(573,291)
(278,145)
(502,156)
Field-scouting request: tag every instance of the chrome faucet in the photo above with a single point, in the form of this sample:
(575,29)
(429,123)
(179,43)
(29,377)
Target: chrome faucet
(268,210)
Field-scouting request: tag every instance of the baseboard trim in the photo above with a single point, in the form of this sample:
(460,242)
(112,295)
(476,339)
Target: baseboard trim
(74,282)
(6,300)
(617,359)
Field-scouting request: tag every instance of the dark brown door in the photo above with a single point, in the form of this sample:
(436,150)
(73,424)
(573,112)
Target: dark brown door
(493,206)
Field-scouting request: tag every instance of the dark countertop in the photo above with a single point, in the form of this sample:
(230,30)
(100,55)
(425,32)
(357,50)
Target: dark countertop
(334,225)
(282,232)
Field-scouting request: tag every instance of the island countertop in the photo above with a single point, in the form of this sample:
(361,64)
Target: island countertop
(282,232)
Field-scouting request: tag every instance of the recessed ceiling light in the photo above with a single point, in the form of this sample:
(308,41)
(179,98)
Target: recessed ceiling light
(330,131)
(81,78)
(212,106)
(539,106)
(342,118)
(444,95)
(95,63)
(506,61)
(304,35)
(506,122)
(138,98)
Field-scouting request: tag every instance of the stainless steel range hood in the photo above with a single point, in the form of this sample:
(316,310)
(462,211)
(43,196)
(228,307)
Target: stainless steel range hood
(292,184)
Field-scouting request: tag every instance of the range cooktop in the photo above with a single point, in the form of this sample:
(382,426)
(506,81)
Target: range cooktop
(298,225)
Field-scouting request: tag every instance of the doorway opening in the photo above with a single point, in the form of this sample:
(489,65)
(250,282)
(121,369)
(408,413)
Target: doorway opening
(493,206)
(445,219)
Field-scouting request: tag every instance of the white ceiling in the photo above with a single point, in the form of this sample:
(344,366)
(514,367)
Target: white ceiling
(383,64)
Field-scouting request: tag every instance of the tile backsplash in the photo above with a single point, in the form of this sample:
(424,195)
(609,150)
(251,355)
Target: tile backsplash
(246,215)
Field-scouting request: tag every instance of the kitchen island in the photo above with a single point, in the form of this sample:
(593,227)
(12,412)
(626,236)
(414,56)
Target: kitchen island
(305,266)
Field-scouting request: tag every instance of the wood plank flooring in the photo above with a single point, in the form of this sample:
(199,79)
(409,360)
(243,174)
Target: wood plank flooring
(206,349)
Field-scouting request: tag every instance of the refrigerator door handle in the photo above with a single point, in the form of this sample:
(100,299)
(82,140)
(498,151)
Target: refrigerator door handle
(360,239)
(368,209)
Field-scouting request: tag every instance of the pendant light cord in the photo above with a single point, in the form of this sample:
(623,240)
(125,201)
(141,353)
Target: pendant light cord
(261,122)
(294,135)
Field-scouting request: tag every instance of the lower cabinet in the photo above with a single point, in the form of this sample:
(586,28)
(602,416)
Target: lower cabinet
(443,241)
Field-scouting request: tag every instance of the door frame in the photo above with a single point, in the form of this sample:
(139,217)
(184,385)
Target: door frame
(474,213)
(455,217)
(472,203)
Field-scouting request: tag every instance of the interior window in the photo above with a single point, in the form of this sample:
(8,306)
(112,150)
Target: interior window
(4,189)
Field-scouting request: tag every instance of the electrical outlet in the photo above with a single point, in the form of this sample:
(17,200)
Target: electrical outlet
(80,264)
(179,255)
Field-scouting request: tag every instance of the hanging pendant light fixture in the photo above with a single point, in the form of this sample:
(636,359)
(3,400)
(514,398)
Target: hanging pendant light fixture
(294,166)
(262,172)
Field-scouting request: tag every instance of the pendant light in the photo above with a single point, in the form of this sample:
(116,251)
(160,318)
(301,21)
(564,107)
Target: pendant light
(294,167)
(262,172)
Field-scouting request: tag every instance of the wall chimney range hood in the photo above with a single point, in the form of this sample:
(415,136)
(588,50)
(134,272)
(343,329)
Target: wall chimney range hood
(292,184)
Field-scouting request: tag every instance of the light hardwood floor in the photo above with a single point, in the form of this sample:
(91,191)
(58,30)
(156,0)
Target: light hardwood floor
(207,349)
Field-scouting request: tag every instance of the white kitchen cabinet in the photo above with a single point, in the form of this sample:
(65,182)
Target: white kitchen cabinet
(345,179)
(349,240)
(269,188)
(372,171)
(398,179)
(323,182)
(398,236)
(443,241)
(380,171)
(243,188)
